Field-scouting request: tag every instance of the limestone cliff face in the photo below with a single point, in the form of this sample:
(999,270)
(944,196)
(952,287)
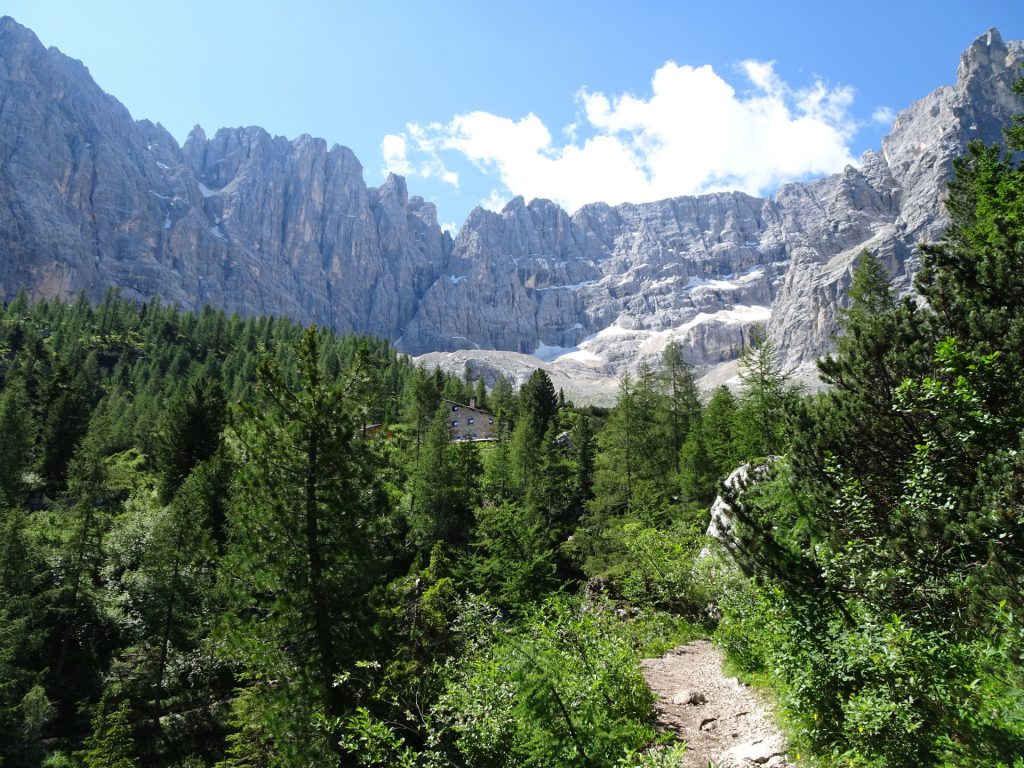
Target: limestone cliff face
(612,285)
(248,222)
(252,223)
(532,278)
(896,200)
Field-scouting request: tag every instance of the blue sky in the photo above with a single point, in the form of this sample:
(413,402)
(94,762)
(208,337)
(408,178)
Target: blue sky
(576,101)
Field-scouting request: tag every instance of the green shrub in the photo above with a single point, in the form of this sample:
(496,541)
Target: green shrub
(565,689)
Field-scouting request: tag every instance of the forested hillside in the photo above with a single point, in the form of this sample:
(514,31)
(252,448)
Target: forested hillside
(244,543)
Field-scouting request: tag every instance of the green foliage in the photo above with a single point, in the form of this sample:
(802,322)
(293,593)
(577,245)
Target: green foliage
(15,441)
(296,589)
(751,617)
(298,549)
(444,486)
(514,560)
(563,690)
(373,743)
(891,558)
(767,399)
(117,566)
(656,757)
(538,402)
(661,572)
(111,744)
(188,433)
(883,344)
(710,451)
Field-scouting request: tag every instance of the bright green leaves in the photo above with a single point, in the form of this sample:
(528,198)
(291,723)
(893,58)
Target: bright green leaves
(563,690)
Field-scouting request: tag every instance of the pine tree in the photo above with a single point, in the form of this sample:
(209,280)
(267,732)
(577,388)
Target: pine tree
(64,421)
(301,519)
(616,463)
(583,446)
(189,433)
(178,569)
(513,558)
(538,401)
(87,508)
(503,400)
(538,407)
(550,493)
(15,442)
(766,396)
(111,744)
(971,278)
(683,396)
(24,628)
(882,342)
(718,434)
(444,487)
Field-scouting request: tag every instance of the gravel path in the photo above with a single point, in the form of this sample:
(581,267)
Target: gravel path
(722,719)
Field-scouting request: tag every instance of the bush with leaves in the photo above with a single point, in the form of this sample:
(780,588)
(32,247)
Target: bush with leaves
(562,689)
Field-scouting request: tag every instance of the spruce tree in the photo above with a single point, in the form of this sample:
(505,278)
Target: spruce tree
(767,393)
(882,342)
(443,487)
(683,396)
(189,432)
(538,401)
(305,501)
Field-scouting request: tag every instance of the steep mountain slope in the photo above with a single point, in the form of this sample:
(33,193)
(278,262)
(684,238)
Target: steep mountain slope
(896,200)
(613,285)
(253,223)
(90,198)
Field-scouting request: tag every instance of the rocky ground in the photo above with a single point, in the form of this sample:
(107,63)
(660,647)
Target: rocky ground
(723,720)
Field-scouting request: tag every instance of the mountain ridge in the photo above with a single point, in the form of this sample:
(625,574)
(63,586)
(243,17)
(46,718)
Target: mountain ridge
(253,223)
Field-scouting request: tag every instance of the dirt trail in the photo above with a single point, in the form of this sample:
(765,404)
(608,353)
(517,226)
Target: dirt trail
(722,719)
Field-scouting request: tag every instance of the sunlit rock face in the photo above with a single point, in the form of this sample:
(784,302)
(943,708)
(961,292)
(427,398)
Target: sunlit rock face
(895,200)
(244,221)
(610,286)
(252,223)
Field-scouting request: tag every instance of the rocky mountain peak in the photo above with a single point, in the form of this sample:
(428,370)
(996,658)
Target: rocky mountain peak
(514,204)
(23,54)
(395,191)
(255,223)
(987,56)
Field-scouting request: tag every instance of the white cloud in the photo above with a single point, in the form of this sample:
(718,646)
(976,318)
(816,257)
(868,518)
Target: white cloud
(494,201)
(451,226)
(883,115)
(395,150)
(693,134)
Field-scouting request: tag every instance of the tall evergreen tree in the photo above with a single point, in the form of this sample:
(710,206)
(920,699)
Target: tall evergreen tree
(300,522)
(189,432)
(767,393)
(683,396)
(583,446)
(538,407)
(538,400)
(881,343)
(444,488)
(15,443)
